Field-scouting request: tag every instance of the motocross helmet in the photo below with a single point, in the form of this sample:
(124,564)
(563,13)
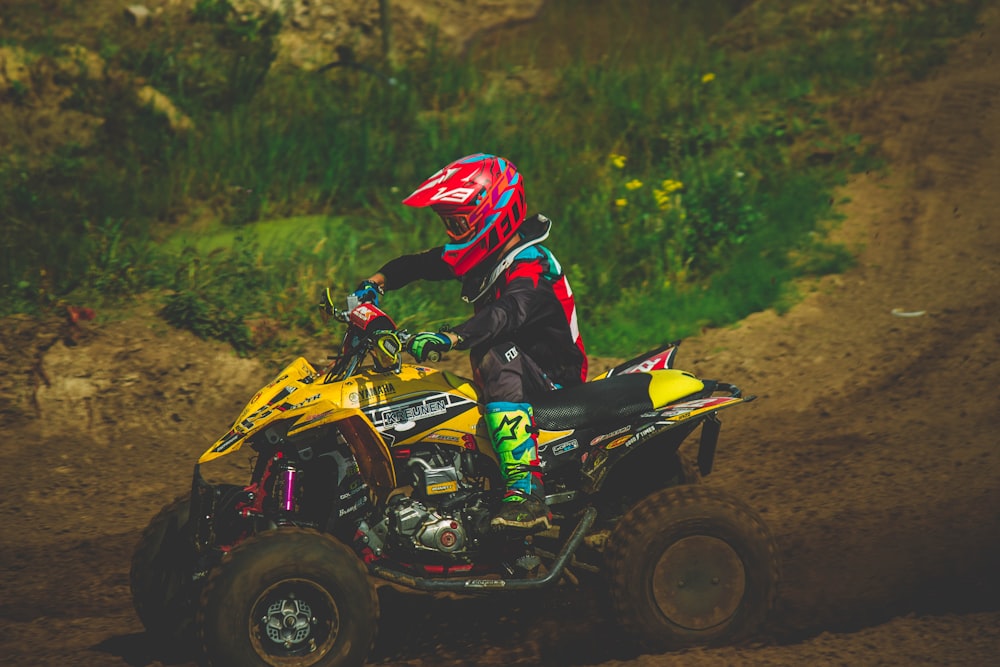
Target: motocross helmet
(480,199)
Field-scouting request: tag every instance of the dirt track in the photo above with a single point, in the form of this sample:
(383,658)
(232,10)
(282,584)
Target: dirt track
(872,451)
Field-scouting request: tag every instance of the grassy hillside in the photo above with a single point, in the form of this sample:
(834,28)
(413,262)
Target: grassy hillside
(689,187)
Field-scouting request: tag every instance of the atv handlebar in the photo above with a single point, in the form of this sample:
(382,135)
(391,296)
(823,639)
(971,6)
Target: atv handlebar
(404,336)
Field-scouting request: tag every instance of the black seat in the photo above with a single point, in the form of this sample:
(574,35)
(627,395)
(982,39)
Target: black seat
(593,403)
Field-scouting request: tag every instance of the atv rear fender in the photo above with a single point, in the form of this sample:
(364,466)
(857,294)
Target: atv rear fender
(665,429)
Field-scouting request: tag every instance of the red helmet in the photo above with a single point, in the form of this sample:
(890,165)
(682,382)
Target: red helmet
(480,199)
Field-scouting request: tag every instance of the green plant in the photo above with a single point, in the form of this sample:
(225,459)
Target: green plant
(211,11)
(728,162)
(207,319)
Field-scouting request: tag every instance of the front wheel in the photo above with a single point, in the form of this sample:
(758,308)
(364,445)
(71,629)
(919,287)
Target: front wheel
(160,576)
(288,597)
(690,566)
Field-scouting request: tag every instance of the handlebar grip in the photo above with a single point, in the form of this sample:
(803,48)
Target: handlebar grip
(434,357)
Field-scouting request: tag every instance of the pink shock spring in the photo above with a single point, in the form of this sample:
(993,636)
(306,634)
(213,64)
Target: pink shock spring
(288,503)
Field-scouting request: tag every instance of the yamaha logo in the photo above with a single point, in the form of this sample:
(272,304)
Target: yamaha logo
(375,392)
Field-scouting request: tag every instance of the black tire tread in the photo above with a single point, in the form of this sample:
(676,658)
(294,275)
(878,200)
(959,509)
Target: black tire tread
(650,515)
(235,558)
(139,564)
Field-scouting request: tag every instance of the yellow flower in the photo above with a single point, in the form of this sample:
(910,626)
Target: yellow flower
(665,197)
(621,202)
(617,160)
(707,77)
(634,184)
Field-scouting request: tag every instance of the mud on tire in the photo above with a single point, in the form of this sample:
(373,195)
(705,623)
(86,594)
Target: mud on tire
(288,597)
(691,566)
(160,575)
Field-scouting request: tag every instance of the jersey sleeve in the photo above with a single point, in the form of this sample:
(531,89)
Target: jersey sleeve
(426,265)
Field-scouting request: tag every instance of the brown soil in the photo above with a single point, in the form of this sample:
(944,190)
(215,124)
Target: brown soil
(872,451)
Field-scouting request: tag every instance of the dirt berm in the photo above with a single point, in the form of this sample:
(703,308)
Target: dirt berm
(871,452)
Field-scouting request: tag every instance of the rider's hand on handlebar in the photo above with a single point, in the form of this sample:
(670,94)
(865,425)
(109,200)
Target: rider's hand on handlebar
(368,292)
(429,345)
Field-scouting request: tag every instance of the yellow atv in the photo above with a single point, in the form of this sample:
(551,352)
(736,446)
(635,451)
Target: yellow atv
(371,470)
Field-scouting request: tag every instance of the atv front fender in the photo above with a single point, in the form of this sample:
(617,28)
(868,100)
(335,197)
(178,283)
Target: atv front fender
(352,426)
(349,424)
(308,434)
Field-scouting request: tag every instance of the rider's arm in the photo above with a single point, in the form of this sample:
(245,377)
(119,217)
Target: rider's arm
(401,271)
(525,298)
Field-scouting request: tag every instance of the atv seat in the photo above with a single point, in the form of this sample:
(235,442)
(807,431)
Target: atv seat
(612,399)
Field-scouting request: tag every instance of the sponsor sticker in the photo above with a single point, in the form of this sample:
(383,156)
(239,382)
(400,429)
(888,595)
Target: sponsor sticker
(404,416)
(355,487)
(608,436)
(659,361)
(618,442)
(353,508)
(444,438)
(312,418)
(684,410)
(442,487)
(376,392)
(305,401)
(410,413)
(564,447)
(640,435)
(362,314)
(485,583)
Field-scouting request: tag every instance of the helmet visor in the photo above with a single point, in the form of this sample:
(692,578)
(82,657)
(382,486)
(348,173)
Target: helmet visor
(458,227)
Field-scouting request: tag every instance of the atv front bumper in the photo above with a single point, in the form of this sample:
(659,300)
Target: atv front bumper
(204,500)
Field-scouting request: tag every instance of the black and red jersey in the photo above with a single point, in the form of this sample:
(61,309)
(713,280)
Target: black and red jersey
(526,300)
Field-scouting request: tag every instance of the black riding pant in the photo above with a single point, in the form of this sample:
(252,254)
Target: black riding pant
(505,373)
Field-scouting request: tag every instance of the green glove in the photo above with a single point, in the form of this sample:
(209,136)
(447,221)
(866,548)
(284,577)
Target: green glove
(428,345)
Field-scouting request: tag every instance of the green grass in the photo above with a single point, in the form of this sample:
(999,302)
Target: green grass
(685,184)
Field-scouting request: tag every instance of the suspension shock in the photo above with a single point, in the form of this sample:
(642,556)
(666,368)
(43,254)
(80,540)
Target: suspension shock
(286,485)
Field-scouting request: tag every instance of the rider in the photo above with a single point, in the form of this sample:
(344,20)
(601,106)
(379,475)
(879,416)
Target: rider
(523,336)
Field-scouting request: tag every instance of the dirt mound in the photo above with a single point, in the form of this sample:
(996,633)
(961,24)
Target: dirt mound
(871,452)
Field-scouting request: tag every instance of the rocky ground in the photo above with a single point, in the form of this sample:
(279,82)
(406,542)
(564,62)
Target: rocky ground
(872,451)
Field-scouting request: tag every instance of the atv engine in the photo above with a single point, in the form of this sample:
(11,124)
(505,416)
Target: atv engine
(446,509)
(424,528)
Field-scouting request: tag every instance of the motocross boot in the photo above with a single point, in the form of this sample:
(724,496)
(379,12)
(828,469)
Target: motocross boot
(512,430)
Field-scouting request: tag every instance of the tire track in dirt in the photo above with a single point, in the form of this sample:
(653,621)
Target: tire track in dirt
(878,470)
(957,157)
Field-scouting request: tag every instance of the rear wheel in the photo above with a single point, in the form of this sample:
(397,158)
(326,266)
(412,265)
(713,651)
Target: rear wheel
(689,566)
(163,593)
(288,597)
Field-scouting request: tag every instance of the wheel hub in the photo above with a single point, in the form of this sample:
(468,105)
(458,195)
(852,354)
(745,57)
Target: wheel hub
(288,622)
(699,582)
(294,617)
